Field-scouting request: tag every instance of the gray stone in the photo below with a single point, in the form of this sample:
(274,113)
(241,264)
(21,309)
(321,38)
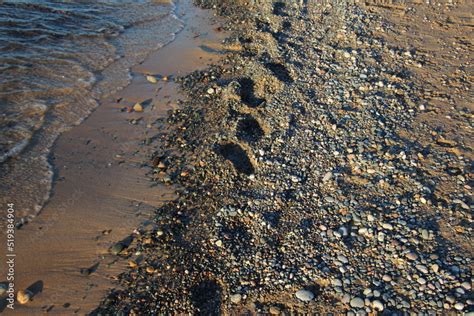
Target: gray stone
(346,298)
(342,258)
(304,295)
(466,285)
(459,306)
(357,302)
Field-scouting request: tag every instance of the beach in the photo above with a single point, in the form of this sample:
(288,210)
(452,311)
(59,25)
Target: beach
(274,158)
(101,189)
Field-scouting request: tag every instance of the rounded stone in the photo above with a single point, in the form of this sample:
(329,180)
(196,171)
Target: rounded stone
(304,295)
(236,298)
(459,306)
(24,297)
(357,302)
(377,305)
(387,278)
(412,256)
(116,249)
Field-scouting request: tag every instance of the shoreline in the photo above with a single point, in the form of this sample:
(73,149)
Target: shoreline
(310,184)
(30,188)
(102,195)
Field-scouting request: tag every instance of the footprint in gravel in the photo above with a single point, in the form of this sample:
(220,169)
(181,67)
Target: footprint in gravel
(238,157)
(280,71)
(206,297)
(249,130)
(247,93)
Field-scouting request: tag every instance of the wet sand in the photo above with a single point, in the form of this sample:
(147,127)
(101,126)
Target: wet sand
(101,192)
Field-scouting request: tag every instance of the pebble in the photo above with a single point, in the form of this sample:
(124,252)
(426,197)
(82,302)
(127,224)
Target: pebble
(459,306)
(274,310)
(466,285)
(138,107)
(412,256)
(387,278)
(235,298)
(23,297)
(342,258)
(357,302)
(422,268)
(377,305)
(421,281)
(151,79)
(304,295)
(387,226)
(425,234)
(346,298)
(116,249)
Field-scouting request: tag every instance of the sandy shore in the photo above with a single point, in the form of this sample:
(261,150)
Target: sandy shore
(326,168)
(298,158)
(102,193)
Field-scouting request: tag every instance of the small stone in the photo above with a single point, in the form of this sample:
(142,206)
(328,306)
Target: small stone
(151,79)
(425,234)
(336,282)
(387,226)
(342,258)
(412,256)
(274,310)
(466,285)
(24,297)
(327,176)
(346,298)
(459,306)
(210,91)
(219,243)
(357,302)
(377,305)
(422,268)
(138,107)
(421,281)
(304,295)
(150,269)
(236,298)
(387,278)
(117,248)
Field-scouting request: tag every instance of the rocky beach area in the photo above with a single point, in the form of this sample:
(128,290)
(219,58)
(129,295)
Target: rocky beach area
(323,166)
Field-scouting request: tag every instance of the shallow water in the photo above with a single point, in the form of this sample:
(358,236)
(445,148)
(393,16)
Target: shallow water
(56,59)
